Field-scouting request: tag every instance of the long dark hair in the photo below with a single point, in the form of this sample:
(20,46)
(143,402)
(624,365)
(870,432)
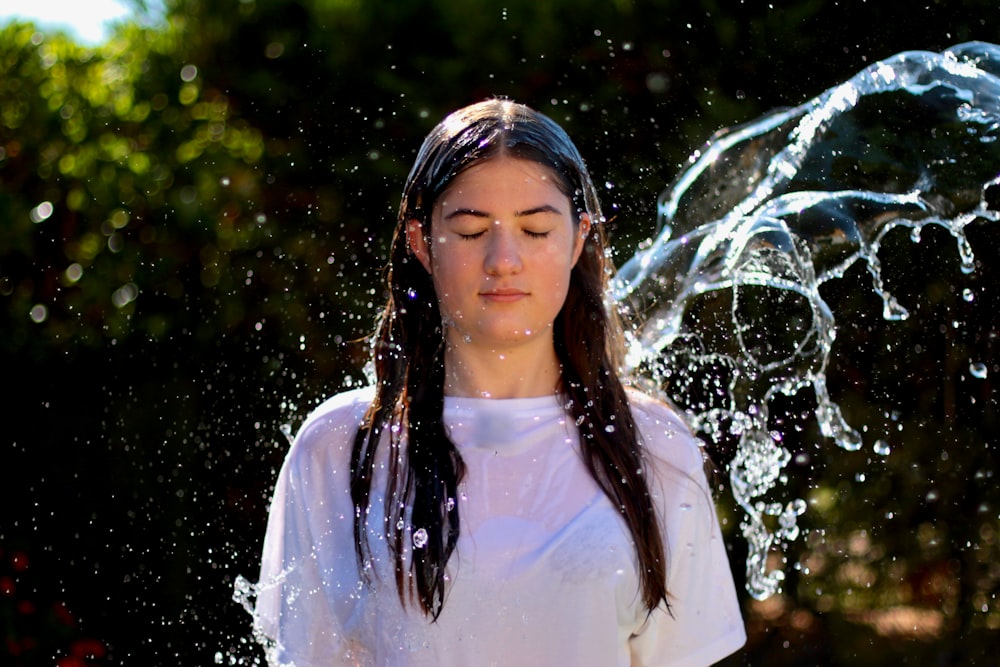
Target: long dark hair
(425,467)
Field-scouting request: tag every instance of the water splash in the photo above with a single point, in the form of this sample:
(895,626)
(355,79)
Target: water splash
(768,212)
(245,594)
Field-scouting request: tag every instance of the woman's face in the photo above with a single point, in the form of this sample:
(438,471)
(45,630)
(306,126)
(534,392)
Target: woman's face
(502,244)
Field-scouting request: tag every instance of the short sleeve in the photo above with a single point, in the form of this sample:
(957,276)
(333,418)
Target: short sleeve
(704,623)
(308,589)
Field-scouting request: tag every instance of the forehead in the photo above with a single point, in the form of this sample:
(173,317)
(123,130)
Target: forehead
(504,178)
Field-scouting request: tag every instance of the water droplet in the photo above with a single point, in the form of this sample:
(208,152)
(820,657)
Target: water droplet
(419,538)
(450,505)
(41,212)
(881,448)
(125,295)
(968,295)
(39,313)
(74,272)
(979,370)
(610,428)
(400,525)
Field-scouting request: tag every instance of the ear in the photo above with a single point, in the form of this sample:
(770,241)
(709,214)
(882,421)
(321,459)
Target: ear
(582,232)
(417,243)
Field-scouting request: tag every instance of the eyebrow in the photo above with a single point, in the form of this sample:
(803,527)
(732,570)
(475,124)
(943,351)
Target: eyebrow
(545,208)
(466,211)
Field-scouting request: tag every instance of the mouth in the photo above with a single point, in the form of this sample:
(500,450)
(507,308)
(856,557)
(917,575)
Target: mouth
(503,295)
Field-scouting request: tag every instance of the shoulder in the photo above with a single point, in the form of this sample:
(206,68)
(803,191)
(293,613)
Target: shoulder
(346,408)
(329,429)
(665,434)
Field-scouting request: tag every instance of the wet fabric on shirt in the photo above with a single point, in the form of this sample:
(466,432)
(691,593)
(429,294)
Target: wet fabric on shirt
(544,572)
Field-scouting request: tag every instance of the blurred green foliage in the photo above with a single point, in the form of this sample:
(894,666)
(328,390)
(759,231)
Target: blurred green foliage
(193,219)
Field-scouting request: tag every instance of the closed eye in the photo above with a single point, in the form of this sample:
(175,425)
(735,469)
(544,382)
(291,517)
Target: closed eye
(472,236)
(543,211)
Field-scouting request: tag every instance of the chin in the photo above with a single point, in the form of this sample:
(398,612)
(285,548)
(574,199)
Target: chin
(511,338)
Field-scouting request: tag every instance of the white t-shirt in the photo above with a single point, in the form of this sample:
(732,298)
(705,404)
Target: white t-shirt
(544,572)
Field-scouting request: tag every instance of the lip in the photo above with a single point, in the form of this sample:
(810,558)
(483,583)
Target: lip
(503,294)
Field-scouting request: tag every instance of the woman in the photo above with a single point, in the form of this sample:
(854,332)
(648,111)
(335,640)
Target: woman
(497,497)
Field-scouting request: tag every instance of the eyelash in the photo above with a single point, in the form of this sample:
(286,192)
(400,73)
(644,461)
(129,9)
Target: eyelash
(530,234)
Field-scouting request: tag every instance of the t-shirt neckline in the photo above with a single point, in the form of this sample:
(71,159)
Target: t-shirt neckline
(506,405)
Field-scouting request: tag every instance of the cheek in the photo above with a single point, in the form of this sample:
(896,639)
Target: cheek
(556,261)
(449,267)
(450,274)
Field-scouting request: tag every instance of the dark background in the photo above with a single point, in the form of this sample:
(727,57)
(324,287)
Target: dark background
(223,185)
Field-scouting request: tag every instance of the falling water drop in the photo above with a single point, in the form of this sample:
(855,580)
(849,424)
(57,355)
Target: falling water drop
(881,447)
(979,370)
(419,538)
(38,313)
(42,212)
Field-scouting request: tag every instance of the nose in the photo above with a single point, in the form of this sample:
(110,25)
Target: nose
(503,254)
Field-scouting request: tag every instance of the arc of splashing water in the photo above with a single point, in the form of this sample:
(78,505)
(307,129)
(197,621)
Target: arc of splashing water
(764,205)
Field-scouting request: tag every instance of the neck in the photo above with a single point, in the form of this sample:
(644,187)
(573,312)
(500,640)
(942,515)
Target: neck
(517,372)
